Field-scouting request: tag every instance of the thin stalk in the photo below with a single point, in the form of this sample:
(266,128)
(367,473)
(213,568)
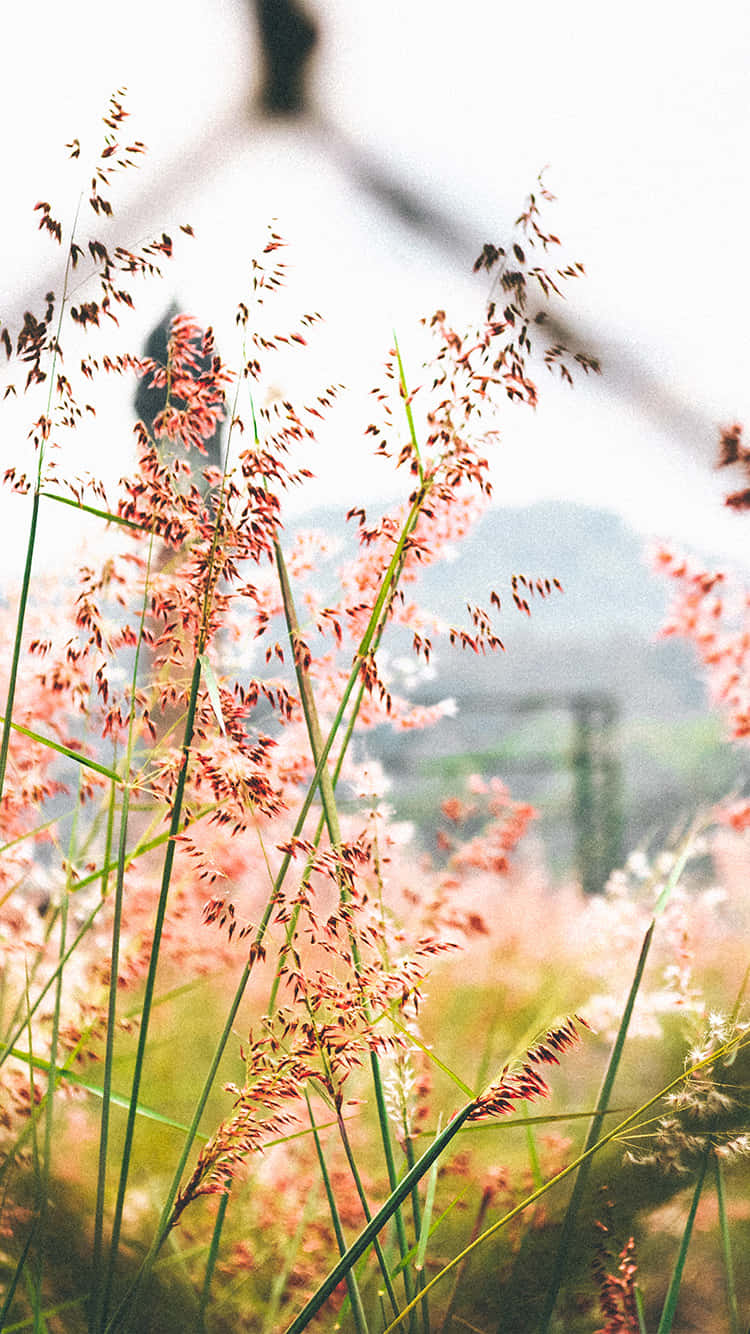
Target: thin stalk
(571,1213)
(362,1243)
(213,1252)
(52,1082)
(673,1292)
(174,829)
(366,1210)
(407,408)
(97,1294)
(10,698)
(106,1095)
(534,1164)
(33,1279)
(726,1249)
(403,1241)
(421,1232)
(360,1319)
(35,1297)
(330,812)
(640,1310)
(33,524)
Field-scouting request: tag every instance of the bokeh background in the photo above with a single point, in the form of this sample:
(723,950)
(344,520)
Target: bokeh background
(389,143)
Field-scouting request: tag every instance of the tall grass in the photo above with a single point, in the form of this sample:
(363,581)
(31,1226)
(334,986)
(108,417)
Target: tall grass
(246,1083)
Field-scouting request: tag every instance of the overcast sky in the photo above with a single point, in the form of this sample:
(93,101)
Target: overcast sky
(641,114)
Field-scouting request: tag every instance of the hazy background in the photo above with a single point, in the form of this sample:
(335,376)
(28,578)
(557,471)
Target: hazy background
(421,130)
(641,114)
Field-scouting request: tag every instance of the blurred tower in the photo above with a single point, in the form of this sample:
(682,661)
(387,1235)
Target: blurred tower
(597,795)
(150,400)
(288,36)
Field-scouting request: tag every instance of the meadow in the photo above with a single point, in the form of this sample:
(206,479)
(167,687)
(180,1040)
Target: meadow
(266,1063)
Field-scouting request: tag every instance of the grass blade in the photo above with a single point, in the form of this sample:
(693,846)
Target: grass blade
(581,1181)
(66,750)
(571,1213)
(726,1249)
(99,514)
(673,1292)
(212,687)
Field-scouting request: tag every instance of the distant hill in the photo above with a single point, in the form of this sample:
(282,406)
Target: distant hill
(588,663)
(598,559)
(601,632)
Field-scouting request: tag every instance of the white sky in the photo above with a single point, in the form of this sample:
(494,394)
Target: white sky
(641,112)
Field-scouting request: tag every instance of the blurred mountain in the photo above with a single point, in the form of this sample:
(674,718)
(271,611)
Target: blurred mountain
(588,714)
(599,633)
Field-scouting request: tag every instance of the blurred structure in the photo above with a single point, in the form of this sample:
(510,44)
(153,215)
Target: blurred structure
(288,36)
(592,759)
(149,401)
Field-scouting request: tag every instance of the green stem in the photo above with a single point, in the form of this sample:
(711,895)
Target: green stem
(31,541)
(385,1135)
(212,1257)
(417,1220)
(360,1320)
(407,409)
(379,1221)
(366,1209)
(106,1082)
(174,829)
(602,1104)
(726,1248)
(52,1082)
(16,658)
(670,1304)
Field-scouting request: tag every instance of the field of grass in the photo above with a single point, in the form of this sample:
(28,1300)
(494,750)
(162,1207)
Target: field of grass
(269,1060)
